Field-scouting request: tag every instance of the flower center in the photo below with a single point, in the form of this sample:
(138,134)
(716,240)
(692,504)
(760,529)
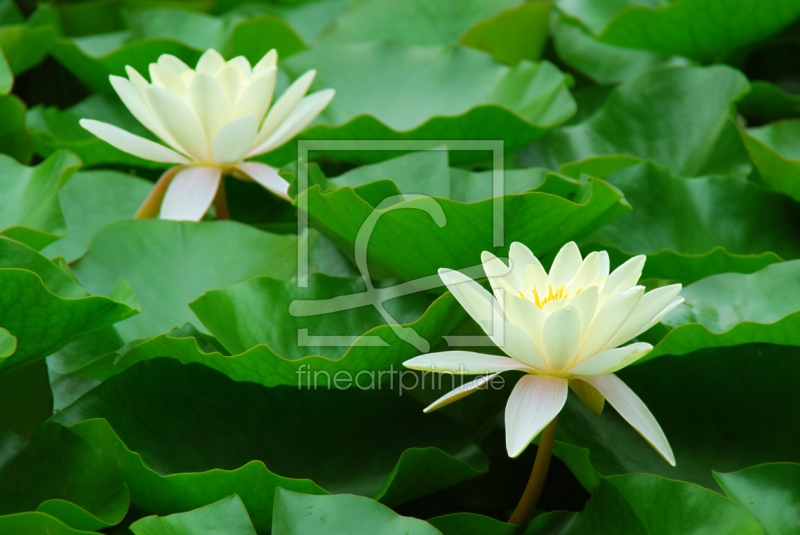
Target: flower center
(561,291)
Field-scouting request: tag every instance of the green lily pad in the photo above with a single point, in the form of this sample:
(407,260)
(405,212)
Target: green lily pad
(25,43)
(652,117)
(769,492)
(31,210)
(225,516)
(360,439)
(110,196)
(171,263)
(6,76)
(37,524)
(692,228)
(62,475)
(185,34)
(697,399)
(662,27)
(775,156)
(25,395)
(301,514)
(434,97)
(15,141)
(414,238)
(767,102)
(731,309)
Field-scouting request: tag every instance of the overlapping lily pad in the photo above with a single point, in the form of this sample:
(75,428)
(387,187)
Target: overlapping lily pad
(235,426)
(773,149)
(64,476)
(434,97)
(226,516)
(653,116)
(414,238)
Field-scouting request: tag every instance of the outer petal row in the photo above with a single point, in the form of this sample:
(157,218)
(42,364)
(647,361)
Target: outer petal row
(534,402)
(132,144)
(464,363)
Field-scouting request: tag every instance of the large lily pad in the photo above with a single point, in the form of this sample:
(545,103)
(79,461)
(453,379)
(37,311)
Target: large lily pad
(773,149)
(31,211)
(652,116)
(434,97)
(351,454)
(414,238)
(225,516)
(37,524)
(61,474)
(15,141)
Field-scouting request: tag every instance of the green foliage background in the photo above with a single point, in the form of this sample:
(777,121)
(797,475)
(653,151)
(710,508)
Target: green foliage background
(149,369)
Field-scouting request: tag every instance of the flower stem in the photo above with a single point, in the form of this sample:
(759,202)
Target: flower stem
(530,496)
(221,202)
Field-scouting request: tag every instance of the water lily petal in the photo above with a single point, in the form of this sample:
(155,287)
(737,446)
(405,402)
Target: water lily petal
(267,176)
(565,265)
(651,308)
(604,264)
(534,402)
(180,121)
(460,392)
(661,315)
(513,342)
(589,395)
(241,64)
(269,60)
(586,302)
(519,257)
(256,98)
(210,62)
(625,276)
(173,64)
(230,79)
(587,273)
(608,321)
(210,104)
(132,144)
(561,338)
(133,101)
(298,120)
(191,193)
(464,363)
(634,411)
(234,140)
(503,282)
(151,206)
(535,276)
(478,303)
(527,316)
(611,360)
(285,105)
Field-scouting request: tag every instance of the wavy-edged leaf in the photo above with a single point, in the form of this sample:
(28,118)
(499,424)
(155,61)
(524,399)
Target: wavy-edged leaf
(414,238)
(773,149)
(25,43)
(37,524)
(185,34)
(692,228)
(715,406)
(62,475)
(15,141)
(766,102)
(653,116)
(433,94)
(513,35)
(769,492)
(301,514)
(6,76)
(90,201)
(731,309)
(358,439)
(227,516)
(30,211)
(171,263)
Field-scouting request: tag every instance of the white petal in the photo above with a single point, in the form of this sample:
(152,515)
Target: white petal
(298,120)
(661,315)
(513,342)
(256,98)
(519,256)
(210,62)
(500,277)
(173,64)
(174,84)
(242,65)
(611,360)
(464,363)
(133,101)
(649,311)
(210,104)
(634,411)
(285,105)
(266,176)
(533,404)
(191,193)
(561,338)
(527,316)
(586,302)
(565,265)
(608,320)
(270,59)
(460,392)
(230,79)
(132,144)
(604,263)
(478,303)
(180,121)
(624,276)
(534,276)
(234,140)
(587,273)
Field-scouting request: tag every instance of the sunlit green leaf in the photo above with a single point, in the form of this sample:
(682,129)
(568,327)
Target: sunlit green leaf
(774,151)
(225,516)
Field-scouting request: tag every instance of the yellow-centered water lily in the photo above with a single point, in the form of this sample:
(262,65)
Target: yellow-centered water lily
(213,117)
(563,329)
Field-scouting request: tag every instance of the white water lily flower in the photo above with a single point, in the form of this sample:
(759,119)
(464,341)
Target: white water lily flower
(213,118)
(563,329)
